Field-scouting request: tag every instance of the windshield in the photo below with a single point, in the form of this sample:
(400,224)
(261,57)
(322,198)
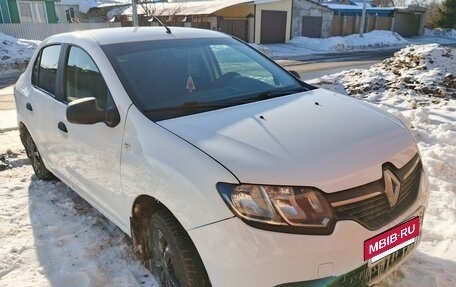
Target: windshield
(173,78)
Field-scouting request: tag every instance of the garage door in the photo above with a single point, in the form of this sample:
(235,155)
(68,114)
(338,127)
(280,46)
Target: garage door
(311,26)
(273,26)
(407,25)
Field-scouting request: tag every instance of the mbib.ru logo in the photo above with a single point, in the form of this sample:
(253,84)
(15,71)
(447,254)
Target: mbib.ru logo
(392,240)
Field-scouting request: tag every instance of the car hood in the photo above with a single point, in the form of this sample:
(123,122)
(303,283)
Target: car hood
(316,138)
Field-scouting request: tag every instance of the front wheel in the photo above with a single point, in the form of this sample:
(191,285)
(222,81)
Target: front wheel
(174,257)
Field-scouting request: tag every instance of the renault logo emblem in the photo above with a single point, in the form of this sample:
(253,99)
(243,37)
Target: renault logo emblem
(392,187)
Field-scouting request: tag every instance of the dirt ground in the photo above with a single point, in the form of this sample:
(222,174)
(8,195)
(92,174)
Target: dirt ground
(7,99)
(7,82)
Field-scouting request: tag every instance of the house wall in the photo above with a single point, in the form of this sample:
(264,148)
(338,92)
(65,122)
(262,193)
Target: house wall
(284,5)
(307,8)
(61,11)
(13,11)
(10,11)
(50,11)
(5,18)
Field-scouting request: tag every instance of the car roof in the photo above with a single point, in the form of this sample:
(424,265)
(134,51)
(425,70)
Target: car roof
(136,34)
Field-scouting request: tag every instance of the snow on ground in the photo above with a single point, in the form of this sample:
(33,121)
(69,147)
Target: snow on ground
(15,53)
(420,84)
(304,46)
(439,36)
(439,32)
(49,236)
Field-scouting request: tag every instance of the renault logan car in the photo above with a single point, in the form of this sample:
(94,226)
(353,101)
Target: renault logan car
(224,168)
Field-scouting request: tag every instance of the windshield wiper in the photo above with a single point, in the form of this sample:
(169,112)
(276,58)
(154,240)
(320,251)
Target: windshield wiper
(188,106)
(278,93)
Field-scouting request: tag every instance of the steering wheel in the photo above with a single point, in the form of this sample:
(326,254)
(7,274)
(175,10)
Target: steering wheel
(223,79)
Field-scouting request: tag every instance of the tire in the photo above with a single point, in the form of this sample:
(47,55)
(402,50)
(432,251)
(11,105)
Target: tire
(175,260)
(35,158)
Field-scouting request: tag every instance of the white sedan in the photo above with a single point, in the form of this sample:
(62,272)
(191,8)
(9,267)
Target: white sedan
(224,168)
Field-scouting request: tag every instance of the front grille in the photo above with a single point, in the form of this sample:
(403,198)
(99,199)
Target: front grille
(376,211)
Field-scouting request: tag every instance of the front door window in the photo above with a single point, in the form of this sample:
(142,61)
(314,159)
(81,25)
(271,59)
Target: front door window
(83,79)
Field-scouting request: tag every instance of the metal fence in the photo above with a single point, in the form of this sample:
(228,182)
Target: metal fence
(41,31)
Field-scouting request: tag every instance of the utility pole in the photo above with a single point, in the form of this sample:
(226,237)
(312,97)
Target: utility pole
(363,19)
(135,13)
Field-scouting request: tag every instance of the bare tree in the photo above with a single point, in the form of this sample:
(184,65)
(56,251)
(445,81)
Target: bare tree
(383,3)
(400,3)
(447,15)
(433,13)
(390,3)
(151,8)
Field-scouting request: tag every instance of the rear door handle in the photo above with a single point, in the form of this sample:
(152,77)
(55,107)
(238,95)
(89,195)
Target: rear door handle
(29,107)
(62,127)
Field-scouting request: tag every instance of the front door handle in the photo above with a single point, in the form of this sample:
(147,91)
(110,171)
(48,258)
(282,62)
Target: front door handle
(28,106)
(62,127)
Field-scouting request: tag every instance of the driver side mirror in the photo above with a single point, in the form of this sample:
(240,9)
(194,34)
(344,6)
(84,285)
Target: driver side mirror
(86,111)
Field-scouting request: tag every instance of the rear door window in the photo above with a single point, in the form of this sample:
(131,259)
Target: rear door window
(44,72)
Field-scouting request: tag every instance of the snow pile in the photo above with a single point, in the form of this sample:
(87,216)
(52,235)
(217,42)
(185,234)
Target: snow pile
(15,53)
(419,82)
(439,32)
(371,40)
(421,73)
(305,46)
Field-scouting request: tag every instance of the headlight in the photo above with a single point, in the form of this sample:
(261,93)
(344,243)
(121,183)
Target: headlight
(280,208)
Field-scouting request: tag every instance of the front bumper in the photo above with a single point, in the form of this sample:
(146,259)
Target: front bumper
(236,254)
(363,275)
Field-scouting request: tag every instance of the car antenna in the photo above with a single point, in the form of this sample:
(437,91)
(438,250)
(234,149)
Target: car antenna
(168,30)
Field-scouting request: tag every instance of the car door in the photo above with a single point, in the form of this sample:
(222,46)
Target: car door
(40,102)
(90,153)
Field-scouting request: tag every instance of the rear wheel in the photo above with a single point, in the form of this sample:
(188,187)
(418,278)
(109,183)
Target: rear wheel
(35,158)
(174,257)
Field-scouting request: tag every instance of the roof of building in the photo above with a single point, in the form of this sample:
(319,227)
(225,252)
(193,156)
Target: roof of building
(355,9)
(185,8)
